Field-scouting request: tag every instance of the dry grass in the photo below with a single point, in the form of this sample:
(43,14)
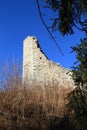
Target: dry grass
(24,107)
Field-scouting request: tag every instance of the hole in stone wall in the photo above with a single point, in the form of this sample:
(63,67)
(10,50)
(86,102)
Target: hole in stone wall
(33,37)
(40,57)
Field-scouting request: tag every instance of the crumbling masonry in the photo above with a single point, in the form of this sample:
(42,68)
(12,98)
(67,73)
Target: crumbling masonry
(38,69)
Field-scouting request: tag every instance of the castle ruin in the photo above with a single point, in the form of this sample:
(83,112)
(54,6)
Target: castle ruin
(38,69)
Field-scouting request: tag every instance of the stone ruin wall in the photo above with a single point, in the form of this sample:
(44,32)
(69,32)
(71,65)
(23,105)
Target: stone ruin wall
(38,69)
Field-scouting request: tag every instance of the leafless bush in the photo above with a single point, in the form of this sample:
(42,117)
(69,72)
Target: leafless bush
(24,107)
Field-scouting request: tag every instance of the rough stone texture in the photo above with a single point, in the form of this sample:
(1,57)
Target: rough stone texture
(38,69)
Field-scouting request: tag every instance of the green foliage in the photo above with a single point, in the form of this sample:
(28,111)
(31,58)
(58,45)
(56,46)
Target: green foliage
(77,106)
(80,68)
(69,14)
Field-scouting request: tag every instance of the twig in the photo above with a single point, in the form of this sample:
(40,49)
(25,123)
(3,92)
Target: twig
(48,28)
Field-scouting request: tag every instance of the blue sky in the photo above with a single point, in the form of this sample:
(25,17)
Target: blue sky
(19,19)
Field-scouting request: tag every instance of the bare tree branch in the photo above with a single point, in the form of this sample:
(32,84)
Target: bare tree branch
(48,28)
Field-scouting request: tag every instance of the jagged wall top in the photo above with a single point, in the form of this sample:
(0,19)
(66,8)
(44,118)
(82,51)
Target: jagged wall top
(37,67)
(35,42)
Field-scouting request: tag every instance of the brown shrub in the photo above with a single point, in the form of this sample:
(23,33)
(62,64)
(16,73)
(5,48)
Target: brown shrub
(24,107)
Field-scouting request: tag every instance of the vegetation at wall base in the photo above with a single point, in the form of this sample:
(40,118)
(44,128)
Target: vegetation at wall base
(24,107)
